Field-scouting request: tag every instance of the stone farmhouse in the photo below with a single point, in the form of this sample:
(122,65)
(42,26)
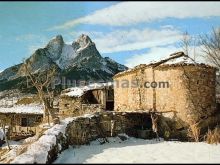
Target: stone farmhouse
(177,87)
(87,99)
(22,121)
(181,91)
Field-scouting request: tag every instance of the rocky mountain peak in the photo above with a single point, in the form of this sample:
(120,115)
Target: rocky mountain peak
(82,42)
(56,40)
(55,47)
(81,60)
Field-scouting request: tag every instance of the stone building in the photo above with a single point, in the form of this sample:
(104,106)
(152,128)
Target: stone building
(181,89)
(22,121)
(87,99)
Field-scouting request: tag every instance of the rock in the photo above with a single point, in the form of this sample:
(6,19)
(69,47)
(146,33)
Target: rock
(123,137)
(56,120)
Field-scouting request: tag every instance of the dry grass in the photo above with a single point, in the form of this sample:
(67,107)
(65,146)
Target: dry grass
(3,151)
(213,136)
(194,132)
(22,149)
(28,100)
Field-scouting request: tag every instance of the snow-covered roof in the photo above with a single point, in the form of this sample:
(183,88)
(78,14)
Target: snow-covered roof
(24,109)
(79,91)
(184,59)
(175,59)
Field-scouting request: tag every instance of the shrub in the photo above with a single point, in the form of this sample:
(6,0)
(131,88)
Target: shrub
(213,136)
(194,132)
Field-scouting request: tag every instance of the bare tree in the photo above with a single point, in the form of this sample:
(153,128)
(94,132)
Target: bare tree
(211,46)
(188,44)
(3,121)
(185,42)
(42,81)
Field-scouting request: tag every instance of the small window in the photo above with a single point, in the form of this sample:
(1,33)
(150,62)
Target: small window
(38,119)
(24,122)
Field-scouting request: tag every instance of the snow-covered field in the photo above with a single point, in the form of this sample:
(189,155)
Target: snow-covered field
(141,151)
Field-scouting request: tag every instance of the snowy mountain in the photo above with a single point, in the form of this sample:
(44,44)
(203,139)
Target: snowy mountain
(79,60)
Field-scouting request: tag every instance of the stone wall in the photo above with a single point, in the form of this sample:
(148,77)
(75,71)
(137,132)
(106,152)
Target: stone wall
(69,105)
(91,102)
(91,108)
(72,107)
(83,129)
(190,95)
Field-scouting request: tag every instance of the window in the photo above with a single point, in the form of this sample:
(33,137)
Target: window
(39,119)
(24,122)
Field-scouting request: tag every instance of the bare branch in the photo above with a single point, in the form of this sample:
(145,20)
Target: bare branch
(41,82)
(186,42)
(211,46)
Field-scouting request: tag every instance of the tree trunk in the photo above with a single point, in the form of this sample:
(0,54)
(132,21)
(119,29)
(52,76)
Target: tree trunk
(48,111)
(48,119)
(46,114)
(6,138)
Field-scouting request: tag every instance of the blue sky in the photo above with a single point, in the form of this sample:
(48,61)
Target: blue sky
(128,32)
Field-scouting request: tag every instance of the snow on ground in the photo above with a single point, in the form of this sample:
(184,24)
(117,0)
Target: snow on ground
(24,109)
(16,148)
(141,151)
(13,144)
(37,151)
(9,155)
